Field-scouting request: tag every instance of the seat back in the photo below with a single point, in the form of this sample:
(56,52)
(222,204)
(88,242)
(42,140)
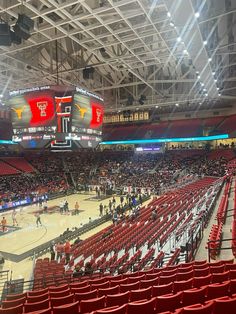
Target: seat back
(117,299)
(13,303)
(87,306)
(86,295)
(162,289)
(72,308)
(142,307)
(141,294)
(37,306)
(168,302)
(63,300)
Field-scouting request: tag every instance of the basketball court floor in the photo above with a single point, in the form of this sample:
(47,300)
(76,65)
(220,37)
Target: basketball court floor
(29,236)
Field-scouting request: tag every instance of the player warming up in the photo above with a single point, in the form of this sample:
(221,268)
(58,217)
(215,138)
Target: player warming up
(38,219)
(14,220)
(4,224)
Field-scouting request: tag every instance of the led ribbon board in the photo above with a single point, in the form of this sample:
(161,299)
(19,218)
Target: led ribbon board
(168,140)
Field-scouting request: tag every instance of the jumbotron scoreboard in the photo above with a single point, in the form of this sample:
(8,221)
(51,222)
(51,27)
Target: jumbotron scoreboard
(59,117)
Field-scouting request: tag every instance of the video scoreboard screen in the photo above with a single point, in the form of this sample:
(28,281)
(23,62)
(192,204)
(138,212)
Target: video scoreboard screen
(57,115)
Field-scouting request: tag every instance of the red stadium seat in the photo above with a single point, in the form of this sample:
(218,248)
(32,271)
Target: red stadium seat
(58,289)
(117,299)
(100,285)
(42,297)
(224,305)
(62,300)
(141,294)
(87,306)
(136,278)
(47,311)
(86,295)
(199,262)
(81,289)
(198,309)
(201,272)
(12,310)
(110,291)
(163,280)
(16,296)
(113,310)
(149,283)
(184,276)
(114,283)
(218,290)
(79,284)
(13,303)
(129,287)
(193,296)
(142,307)
(168,302)
(37,292)
(201,281)
(59,294)
(232,286)
(232,274)
(220,277)
(162,289)
(71,308)
(183,285)
(37,306)
(217,269)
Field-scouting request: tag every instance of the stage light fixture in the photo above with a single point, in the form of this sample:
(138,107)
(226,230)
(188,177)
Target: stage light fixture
(142,99)
(5,36)
(24,25)
(88,73)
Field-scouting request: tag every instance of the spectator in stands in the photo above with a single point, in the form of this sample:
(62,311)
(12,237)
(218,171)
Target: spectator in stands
(59,250)
(67,250)
(78,271)
(88,270)
(77,241)
(154,214)
(52,251)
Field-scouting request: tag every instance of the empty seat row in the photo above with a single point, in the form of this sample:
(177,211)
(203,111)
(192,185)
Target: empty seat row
(158,304)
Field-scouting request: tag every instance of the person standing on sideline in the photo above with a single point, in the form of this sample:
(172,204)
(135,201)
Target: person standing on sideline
(101,209)
(38,219)
(61,207)
(4,224)
(52,251)
(76,208)
(110,206)
(67,249)
(14,221)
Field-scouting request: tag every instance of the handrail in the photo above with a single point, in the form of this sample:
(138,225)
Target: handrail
(219,249)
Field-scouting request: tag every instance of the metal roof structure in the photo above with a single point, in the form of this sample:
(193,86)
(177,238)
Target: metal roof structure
(167,52)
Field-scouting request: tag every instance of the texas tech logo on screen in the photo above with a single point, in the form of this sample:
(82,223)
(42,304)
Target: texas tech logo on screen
(42,105)
(97,115)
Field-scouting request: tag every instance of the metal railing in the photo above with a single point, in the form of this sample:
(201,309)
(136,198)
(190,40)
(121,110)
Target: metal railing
(219,249)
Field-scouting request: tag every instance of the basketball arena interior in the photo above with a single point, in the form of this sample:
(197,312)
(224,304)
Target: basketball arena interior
(118,156)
